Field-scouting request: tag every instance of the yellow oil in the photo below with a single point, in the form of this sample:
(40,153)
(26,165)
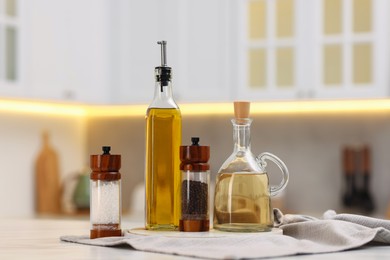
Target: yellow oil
(163,140)
(242,202)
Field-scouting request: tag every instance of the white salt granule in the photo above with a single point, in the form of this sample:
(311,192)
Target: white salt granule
(105,202)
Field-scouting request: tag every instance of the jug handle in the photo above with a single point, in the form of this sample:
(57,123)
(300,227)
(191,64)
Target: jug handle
(269,156)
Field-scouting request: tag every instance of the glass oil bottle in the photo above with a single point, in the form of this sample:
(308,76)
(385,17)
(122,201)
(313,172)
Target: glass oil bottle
(242,200)
(163,140)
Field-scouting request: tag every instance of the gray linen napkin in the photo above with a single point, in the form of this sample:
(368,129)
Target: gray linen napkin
(302,235)
(334,228)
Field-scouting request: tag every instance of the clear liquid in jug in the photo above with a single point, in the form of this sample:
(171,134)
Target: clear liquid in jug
(242,202)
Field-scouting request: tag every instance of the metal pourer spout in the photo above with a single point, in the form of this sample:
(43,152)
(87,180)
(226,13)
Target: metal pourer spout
(163,72)
(163,53)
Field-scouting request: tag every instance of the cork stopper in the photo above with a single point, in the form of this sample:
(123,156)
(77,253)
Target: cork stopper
(241,109)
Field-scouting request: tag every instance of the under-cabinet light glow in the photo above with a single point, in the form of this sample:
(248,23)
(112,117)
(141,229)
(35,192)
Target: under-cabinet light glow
(195,109)
(35,107)
(116,110)
(322,107)
(294,107)
(280,107)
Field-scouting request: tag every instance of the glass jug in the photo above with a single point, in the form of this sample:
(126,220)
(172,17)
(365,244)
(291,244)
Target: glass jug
(242,201)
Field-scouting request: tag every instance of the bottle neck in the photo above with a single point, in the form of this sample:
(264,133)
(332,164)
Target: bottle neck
(241,134)
(163,92)
(163,97)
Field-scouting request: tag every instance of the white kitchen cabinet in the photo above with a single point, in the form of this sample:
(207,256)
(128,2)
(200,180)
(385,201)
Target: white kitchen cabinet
(61,49)
(267,55)
(197,50)
(101,51)
(326,49)
(204,53)
(11,65)
(105,51)
(67,49)
(137,25)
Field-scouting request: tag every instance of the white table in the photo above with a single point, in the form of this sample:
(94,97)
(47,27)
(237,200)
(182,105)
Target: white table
(39,239)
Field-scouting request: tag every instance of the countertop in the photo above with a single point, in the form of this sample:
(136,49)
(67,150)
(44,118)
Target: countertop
(36,238)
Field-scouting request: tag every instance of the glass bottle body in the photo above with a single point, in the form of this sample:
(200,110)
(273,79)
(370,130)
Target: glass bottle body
(162,177)
(195,201)
(242,196)
(105,208)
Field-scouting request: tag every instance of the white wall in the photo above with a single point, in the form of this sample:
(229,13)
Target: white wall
(20,140)
(310,145)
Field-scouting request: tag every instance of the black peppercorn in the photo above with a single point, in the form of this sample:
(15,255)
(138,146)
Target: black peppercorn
(194,187)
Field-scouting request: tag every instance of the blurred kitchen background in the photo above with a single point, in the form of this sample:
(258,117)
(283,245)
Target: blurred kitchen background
(81,71)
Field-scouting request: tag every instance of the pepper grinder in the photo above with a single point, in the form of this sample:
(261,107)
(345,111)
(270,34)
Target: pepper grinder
(195,179)
(106,204)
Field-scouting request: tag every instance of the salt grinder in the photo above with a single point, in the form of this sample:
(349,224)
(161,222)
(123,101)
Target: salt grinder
(106,204)
(195,179)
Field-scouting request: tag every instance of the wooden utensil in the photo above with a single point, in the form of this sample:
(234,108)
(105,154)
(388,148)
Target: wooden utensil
(47,179)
